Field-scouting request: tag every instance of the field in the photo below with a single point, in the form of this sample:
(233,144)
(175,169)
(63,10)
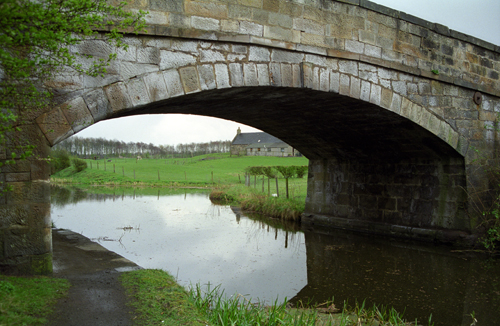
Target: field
(214,170)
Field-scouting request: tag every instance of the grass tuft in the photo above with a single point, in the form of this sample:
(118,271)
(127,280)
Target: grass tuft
(29,300)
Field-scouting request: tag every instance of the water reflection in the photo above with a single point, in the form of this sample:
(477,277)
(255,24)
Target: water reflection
(192,239)
(420,280)
(196,241)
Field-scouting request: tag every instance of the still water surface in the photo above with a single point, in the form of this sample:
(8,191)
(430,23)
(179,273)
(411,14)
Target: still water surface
(182,232)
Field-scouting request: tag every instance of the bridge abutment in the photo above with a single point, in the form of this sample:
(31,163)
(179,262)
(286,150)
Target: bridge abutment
(416,198)
(25,223)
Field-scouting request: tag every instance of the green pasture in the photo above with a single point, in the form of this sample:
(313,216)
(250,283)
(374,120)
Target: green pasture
(211,169)
(215,170)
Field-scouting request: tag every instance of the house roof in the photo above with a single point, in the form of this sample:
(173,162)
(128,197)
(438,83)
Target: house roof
(247,138)
(267,145)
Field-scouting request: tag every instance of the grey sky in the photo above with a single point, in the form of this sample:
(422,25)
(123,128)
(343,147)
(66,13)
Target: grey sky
(479,18)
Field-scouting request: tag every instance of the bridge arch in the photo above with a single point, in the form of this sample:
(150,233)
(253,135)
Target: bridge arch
(416,89)
(379,151)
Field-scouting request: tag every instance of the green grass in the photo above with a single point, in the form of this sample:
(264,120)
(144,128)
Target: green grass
(159,300)
(205,170)
(28,300)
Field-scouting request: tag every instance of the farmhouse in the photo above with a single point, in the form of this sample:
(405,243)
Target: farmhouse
(260,144)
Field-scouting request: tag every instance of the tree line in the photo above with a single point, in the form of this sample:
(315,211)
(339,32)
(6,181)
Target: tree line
(91,147)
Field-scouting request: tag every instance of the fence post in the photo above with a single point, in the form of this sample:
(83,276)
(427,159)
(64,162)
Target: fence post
(114,170)
(123,171)
(212,176)
(277,188)
(134,174)
(158,175)
(97,165)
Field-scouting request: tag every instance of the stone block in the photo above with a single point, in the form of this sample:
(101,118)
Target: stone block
(54,126)
(285,56)
(250,28)
(173,82)
(138,92)
(236,74)
(334,82)
(211,56)
(190,80)
(156,87)
(354,46)
(355,90)
(281,20)
(308,26)
(375,94)
(344,84)
(307,70)
(386,99)
(365,91)
(399,87)
(286,75)
(373,51)
(130,70)
(275,72)
(316,78)
(77,114)
(173,59)
(263,74)
(118,97)
(229,25)
(222,76)
(348,67)
(259,54)
(203,9)
(324,79)
(278,33)
(206,24)
(156,18)
(148,55)
(98,104)
(207,77)
(250,74)
(297,76)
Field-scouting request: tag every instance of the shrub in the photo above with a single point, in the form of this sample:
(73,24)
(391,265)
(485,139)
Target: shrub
(59,160)
(301,170)
(79,164)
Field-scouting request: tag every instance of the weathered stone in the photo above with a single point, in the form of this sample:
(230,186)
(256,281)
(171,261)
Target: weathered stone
(156,87)
(77,114)
(207,77)
(190,80)
(222,76)
(173,82)
(118,97)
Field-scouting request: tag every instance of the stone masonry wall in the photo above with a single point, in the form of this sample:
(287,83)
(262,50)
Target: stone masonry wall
(354,29)
(417,193)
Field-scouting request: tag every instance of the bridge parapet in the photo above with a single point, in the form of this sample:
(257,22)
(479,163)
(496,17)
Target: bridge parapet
(352,29)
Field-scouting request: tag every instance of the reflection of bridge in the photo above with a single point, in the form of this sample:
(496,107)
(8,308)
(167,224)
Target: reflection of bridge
(349,85)
(417,280)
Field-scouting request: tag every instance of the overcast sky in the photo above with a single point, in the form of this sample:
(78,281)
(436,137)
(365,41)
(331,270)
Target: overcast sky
(479,18)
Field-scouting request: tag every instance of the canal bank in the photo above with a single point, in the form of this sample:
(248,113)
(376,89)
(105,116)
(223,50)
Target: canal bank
(96,296)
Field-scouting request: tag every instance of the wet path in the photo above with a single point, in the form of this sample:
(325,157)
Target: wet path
(96,296)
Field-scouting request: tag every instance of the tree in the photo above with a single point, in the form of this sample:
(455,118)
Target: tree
(35,45)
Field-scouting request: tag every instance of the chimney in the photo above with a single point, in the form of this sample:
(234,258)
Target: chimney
(238,131)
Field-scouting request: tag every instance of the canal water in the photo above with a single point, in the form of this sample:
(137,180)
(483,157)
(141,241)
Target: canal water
(182,232)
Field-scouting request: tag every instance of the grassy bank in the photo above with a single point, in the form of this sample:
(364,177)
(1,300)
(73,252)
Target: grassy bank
(28,300)
(159,300)
(253,199)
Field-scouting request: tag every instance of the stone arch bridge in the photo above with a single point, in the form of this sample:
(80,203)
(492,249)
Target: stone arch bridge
(390,109)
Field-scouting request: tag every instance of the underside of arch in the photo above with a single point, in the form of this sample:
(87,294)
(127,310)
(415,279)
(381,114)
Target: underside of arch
(370,168)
